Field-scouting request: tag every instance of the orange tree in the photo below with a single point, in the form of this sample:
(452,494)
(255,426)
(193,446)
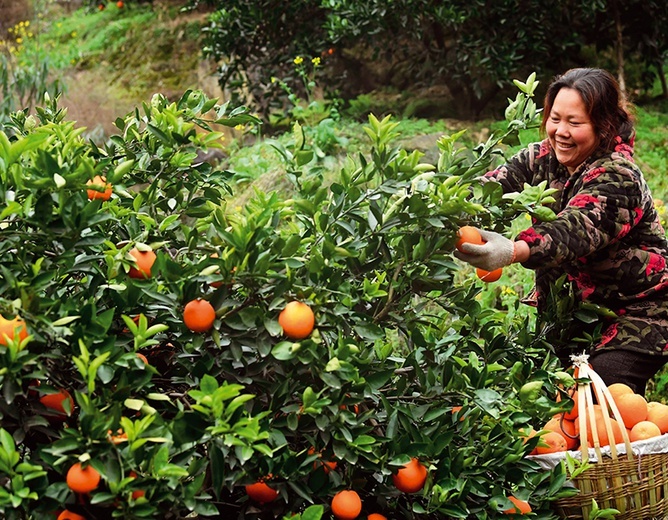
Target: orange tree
(399,344)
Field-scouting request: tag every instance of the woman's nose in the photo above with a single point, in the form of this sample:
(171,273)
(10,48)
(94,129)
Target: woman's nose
(562,129)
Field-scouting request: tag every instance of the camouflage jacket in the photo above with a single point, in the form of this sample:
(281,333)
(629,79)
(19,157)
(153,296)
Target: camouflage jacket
(607,237)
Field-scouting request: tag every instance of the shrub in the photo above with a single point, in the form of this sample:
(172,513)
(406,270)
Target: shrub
(399,341)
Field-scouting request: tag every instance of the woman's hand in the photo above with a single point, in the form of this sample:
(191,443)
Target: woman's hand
(497,251)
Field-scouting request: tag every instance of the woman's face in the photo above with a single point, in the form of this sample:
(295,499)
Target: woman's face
(570,130)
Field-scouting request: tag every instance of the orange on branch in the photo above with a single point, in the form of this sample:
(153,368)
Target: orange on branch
(376,516)
(144,260)
(261,492)
(522,507)
(103,191)
(346,505)
(411,477)
(10,328)
(69,515)
(297,320)
(199,315)
(56,401)
(82,479)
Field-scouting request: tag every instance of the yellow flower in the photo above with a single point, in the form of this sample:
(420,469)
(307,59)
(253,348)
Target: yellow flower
(74,34)
(239,127)
(19,40)
(299,60)
(315,61)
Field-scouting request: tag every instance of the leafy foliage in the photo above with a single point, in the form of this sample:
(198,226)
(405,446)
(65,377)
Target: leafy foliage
(400,340)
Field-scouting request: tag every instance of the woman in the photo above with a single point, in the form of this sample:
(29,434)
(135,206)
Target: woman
(606,238)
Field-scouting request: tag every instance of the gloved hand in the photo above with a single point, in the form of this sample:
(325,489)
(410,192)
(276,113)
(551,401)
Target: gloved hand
(497,251)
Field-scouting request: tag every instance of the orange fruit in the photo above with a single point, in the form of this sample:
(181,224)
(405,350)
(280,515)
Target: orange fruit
(565,428)
(658,414)
(551,442)
(521,506)
(573,413)
(120,4)
(346,505)
(199,315)
(327,465)
(467,235)
(644,430)
(261,492)
(489,276)
(9,328)
(632,408)
(82,480)
(617,389)
(104,188)
(144,260)
(56,401)
(137,493)
(411,477)
(297,320)
(602,433)
(69,515)
(376,516)
(120,436)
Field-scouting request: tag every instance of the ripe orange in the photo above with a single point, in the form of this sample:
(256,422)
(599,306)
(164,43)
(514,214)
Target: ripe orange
(521,506)
(644,430)
(376,516)
(137,493)
(551,442)
(56,401)
(145,260)
(9,328)
(69,515)
(602,433)
(617,389)
(411,477)
(199,315)
(120,436)
(297,320)
(82,480)
(346,505)
(327,465)
(573,413)
(489,276)
(104,188)
(468,235)
(658,414)
(565,428)
(261,492)
(633,408)
(120,4)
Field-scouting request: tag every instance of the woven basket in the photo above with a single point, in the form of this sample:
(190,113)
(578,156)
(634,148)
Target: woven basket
(628,478)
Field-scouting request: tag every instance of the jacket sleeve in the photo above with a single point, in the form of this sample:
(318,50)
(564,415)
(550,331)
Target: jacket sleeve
(600,213)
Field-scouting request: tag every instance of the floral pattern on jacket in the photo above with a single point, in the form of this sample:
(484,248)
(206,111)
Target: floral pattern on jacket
(607,238)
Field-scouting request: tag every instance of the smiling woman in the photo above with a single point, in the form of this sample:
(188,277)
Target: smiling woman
(607,238)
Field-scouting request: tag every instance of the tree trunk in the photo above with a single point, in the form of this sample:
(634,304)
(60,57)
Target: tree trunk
(662,78)
(619,46)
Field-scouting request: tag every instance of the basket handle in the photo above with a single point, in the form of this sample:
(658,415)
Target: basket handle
(586,403)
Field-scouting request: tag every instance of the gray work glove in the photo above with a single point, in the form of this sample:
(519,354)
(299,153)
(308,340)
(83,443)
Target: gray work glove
(497,251)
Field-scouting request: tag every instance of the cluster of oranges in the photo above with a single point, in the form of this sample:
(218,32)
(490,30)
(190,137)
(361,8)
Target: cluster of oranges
(641,419)
(347,504)
(470,235)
